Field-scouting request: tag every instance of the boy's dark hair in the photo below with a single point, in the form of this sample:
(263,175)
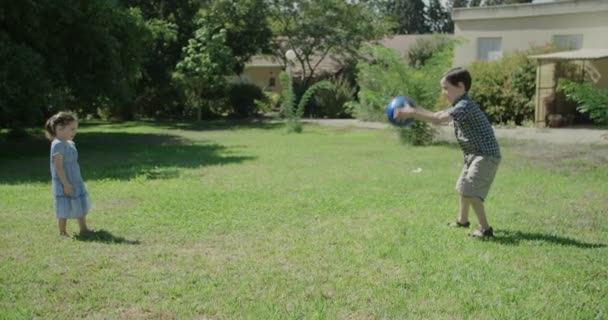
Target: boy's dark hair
(459,74)
(59,119)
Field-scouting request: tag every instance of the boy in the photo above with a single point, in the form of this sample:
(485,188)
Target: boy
(477,141)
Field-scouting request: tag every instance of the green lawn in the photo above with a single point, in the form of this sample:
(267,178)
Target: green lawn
(247,222)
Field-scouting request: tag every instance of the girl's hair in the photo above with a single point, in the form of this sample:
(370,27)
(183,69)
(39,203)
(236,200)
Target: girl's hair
(459,74)
(59,119)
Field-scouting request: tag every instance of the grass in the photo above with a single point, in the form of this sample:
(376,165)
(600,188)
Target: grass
(243,221)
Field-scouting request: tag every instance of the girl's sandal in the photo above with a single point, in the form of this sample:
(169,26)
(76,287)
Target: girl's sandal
(458,224)
(482,233)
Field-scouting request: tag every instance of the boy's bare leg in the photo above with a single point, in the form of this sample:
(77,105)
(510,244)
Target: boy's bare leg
(62,223)
(480,211)
(465,203)
(82,223)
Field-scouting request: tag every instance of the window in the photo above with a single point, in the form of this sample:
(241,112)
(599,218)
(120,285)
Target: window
(489,48)
(568,41)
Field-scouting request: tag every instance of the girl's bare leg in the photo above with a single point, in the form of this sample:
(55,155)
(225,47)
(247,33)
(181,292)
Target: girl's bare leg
(82,223)
(62,223)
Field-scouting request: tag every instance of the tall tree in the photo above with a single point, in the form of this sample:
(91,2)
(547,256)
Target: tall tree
(81,54)
(315,29)
(439,18)
(410,16)
(458,3)
(202,71)
(170,24)
(245,23)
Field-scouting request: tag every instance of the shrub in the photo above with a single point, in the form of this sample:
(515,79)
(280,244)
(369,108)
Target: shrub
(505,88)
(420,134)
(385,75)
(293,112)
(590,99)
(270,102)
(242,97)
(426,48)
(330,102)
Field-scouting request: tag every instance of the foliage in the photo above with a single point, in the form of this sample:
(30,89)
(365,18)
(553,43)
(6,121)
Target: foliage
(271,101)
(384,75)
(202,71)
(505,88)
(590,99)
(419,134)
(381,76)
(81,52)
(24,84)
(316,29)
(426,48)
(242,97)
(409,15)
(247,28)
(439,17)
(331,101)
(293,112)
(169,25)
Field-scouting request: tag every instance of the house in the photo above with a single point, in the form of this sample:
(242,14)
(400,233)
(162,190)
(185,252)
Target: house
(264,70)
(579,27)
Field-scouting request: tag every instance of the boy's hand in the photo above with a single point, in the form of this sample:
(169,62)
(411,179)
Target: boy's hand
(67,189)
(404,113)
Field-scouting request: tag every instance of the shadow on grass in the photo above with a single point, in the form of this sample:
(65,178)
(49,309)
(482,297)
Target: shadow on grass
(209,125)
(515,238)
(104,236)
(115,155)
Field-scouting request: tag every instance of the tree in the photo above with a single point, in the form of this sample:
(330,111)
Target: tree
(203,70)
(169,25)
(458,3)
(439,18)
(410,16)
(246,24)
(78,54)
(315,29)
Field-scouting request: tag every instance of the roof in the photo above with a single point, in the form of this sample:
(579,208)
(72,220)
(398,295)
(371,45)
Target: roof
(535,9)
(581,54)
(399,43)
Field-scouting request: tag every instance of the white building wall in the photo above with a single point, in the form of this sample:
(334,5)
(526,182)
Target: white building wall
(523,26)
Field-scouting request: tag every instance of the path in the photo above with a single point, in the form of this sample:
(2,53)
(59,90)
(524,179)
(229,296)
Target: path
(551,135)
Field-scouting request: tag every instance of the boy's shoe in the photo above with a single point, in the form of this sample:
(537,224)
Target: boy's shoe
(482,233)
(458,224)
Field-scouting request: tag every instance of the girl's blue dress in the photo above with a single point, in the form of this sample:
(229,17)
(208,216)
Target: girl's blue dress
(77,204)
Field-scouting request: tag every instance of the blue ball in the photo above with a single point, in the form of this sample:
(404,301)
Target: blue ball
(399,102)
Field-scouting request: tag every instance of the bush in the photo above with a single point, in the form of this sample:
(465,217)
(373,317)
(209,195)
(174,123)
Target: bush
(242,97)
(24,85)
(385,75)
(420,134)
(330,102)
(291,110)
(425,48)
(590,99)
(505,88)
(270,102)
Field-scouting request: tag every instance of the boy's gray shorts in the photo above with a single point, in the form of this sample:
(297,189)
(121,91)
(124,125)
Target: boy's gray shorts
(477,176)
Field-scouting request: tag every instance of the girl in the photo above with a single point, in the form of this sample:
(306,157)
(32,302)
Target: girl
(71,197)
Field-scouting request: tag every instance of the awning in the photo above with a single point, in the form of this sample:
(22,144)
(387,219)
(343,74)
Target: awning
(581,54)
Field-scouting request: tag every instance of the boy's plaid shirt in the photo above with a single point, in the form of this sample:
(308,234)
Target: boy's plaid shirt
(472,129)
